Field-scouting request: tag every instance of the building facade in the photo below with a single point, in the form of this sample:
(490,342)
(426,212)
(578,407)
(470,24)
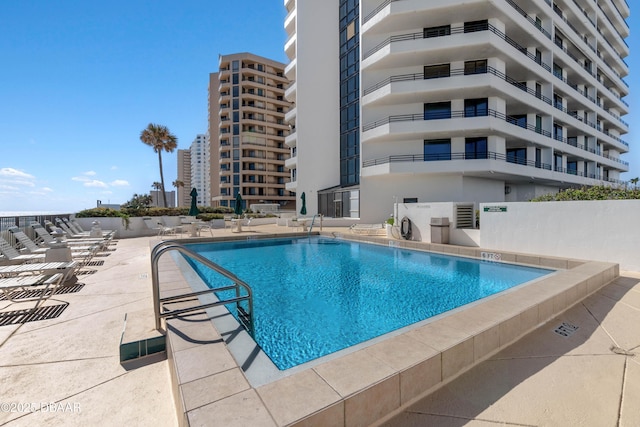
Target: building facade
(247,108)
(464,101)
(184,175)
(200,173)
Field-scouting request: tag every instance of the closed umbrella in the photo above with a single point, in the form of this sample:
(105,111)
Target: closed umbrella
(303,211)
(238,209)
(193,211)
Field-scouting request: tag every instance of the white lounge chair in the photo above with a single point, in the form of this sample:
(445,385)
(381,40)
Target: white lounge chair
(44,236)
(156,224)
(31,246)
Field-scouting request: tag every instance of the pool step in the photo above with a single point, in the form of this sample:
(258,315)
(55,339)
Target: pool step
(140,340)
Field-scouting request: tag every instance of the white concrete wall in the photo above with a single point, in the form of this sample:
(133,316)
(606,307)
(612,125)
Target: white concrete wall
(317,99)
(595,230)
(420,215)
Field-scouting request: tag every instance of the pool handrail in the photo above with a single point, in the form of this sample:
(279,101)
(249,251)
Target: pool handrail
(245,317)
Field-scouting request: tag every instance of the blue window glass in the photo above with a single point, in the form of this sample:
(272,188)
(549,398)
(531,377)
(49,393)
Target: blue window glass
(476,107)
(437,110)
(517,155)
(437,149)
(475,148)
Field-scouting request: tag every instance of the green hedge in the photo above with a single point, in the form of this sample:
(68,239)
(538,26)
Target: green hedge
(599,192)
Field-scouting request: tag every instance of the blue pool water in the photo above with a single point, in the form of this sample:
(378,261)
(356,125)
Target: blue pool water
(316,296)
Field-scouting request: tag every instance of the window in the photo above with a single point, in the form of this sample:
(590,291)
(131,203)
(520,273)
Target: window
(557,101)
(517,155)
(235,65)
(475,148)
(475,67)
(476,107)
(538,90)
(557,71)
(351,30)
(538,124)
(572,167)
(437,71)
(538,56)
(518,120)
(437,110)
(443,30)
(235,78)
(410,200)
(236,91)
(557,132)
(473,26)
(437,149)
(538,158)
(557,158)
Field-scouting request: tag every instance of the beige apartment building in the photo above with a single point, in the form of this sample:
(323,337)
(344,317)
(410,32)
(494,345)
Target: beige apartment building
(247,130)
(184,175)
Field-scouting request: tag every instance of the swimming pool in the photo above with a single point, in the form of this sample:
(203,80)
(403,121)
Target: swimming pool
(315,296)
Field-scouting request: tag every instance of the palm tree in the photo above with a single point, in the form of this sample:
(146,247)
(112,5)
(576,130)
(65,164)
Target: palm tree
(634,181)
(178,184)
(160,139)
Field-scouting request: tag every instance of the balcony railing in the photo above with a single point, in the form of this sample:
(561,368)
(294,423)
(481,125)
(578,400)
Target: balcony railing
(454,73)
(488,155)
(444,115)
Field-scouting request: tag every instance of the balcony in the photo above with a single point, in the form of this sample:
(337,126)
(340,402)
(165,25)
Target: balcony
(290,69)
(290,47)
(291,91)
(488,164)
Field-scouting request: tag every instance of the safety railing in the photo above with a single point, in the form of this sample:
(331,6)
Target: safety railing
(245,315)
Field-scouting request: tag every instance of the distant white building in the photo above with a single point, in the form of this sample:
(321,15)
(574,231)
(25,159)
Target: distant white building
(158,201)
(200,171)
(464,101)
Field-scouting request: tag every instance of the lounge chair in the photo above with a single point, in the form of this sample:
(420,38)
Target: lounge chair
(75,226)
(156,224)
(31,246)
(12,256)
(44,236)
(47,277)
(74,237)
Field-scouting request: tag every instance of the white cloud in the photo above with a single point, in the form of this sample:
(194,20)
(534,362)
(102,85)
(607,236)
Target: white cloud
(80,179)
(47,189)
(8,187)
(120,183)
(90,173)
(14,177)
(12,173)
(95,183)
(114,168)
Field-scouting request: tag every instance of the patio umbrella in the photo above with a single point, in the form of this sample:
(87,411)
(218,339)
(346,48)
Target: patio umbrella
(193,211)
(303,211)
(238,209)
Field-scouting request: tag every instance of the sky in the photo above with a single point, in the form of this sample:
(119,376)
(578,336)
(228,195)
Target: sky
(81,79)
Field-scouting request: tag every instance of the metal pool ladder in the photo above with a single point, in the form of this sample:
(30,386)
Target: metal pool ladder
(245,315)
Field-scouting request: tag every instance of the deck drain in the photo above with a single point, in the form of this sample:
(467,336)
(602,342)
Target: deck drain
(566,329)
(35,293)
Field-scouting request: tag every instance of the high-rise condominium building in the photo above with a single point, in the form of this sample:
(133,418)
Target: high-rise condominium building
(248,129)
(184,175)
(200,174)
(469,101)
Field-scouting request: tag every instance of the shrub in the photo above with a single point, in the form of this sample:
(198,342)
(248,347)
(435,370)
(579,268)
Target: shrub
(599,192)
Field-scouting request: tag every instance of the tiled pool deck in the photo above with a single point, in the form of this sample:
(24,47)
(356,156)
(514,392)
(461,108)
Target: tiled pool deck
(362,387)
(458,370)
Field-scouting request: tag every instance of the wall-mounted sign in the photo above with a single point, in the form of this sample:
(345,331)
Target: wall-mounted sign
(495,208)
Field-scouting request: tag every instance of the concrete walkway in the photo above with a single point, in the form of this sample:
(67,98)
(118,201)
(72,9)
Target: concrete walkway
(66,370)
